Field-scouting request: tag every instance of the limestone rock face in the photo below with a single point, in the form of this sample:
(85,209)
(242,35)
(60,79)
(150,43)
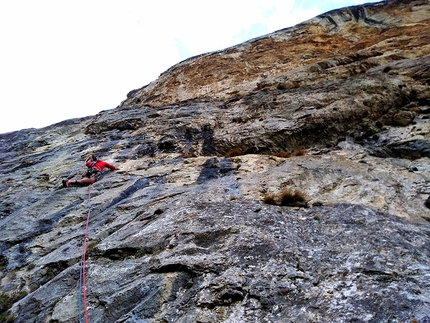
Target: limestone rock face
(280,180)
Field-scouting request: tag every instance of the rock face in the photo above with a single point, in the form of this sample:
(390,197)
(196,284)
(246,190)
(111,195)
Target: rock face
(280,180)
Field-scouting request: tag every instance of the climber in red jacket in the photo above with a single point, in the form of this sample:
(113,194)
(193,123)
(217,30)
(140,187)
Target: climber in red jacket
(94,172)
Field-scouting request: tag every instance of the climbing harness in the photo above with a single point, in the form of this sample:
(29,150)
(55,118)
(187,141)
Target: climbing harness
(82,303)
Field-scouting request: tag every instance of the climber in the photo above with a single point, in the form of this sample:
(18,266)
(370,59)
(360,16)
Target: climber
(94,172)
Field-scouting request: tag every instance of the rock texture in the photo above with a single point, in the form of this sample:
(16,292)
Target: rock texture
(192,226)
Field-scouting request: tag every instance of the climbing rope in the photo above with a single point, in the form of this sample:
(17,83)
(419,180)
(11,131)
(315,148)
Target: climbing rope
(82,303)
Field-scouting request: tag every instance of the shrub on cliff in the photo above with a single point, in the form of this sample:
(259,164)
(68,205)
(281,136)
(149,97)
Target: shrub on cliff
(288,197)
(291,197)
(234,152)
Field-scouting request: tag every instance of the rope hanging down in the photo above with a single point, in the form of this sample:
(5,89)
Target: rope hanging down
(82,303)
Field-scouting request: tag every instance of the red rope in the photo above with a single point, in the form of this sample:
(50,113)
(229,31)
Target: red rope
(84,278)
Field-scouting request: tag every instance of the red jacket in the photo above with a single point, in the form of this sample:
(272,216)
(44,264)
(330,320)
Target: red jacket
(100,164)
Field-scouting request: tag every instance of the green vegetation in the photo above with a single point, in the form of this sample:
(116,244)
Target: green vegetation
(6,302)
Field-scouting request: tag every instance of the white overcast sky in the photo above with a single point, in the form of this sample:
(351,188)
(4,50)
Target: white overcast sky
(66,59)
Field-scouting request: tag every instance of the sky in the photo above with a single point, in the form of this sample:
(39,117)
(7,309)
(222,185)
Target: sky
(69,59)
